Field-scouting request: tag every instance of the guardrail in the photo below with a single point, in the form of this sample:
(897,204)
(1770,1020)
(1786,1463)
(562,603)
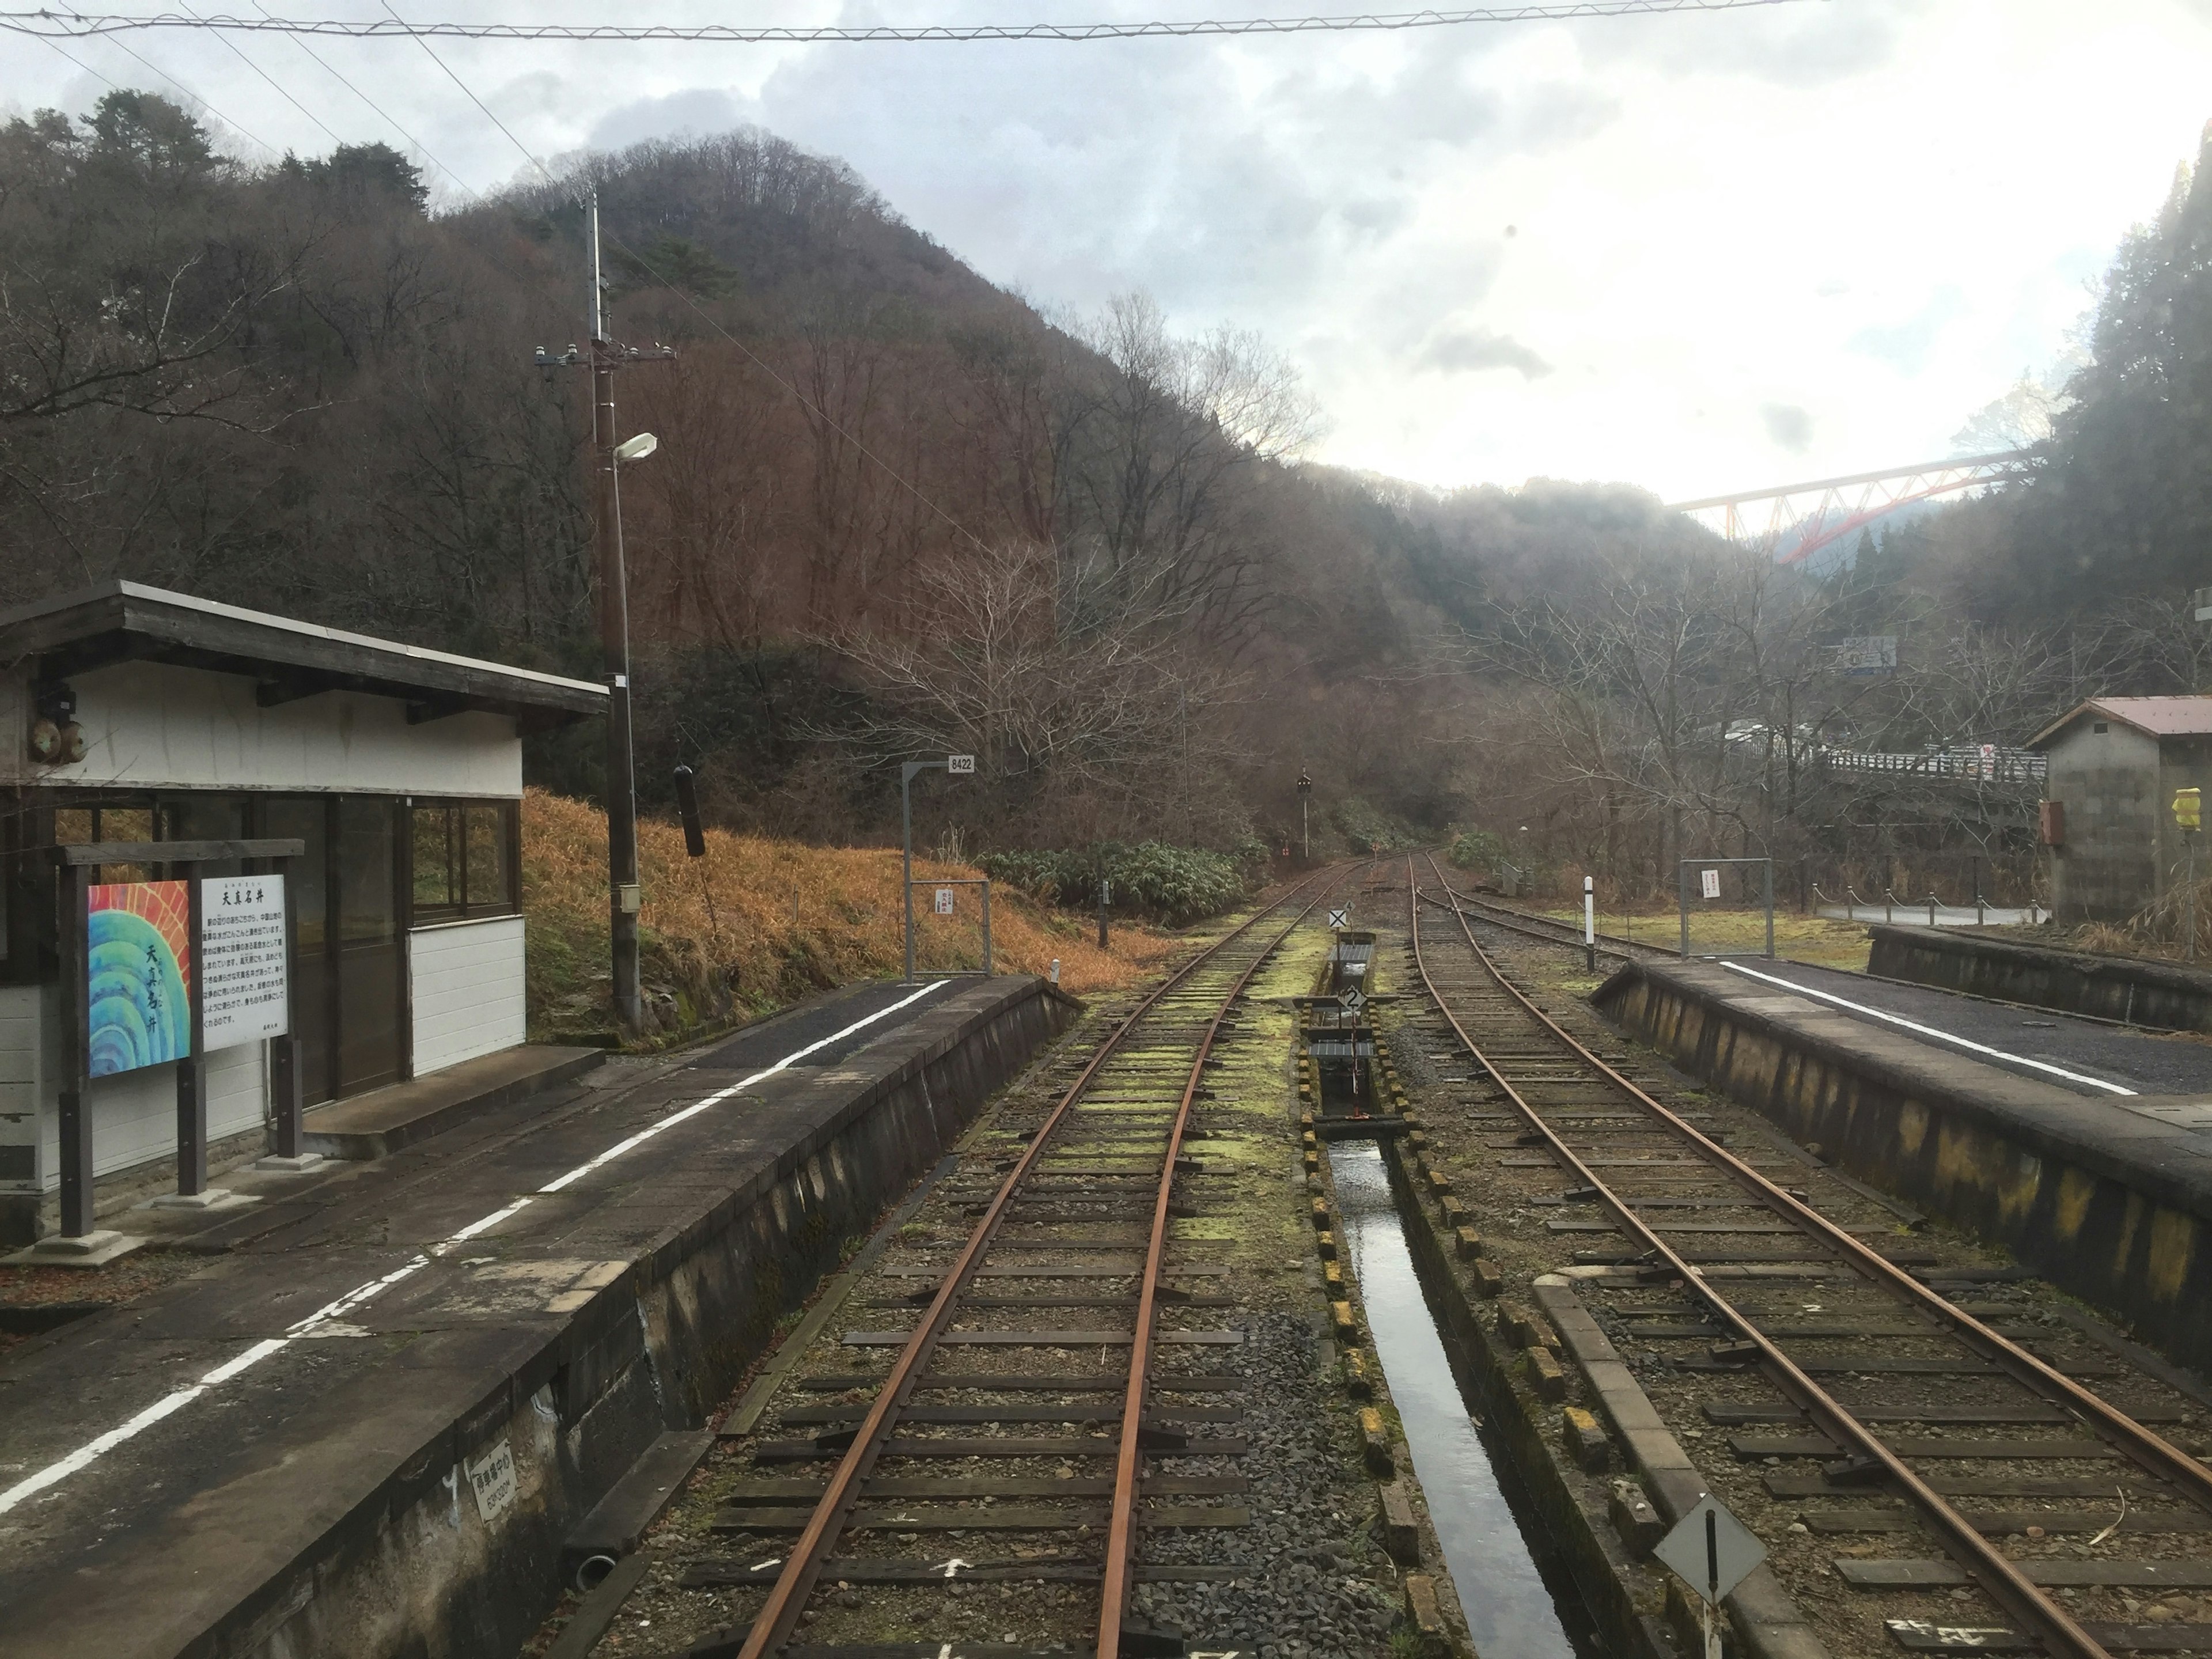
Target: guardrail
(1984,764)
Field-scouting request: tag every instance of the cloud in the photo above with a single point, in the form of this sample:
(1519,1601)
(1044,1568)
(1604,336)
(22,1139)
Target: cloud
(1464,350)
(1906,345)
(1348,196)
(1788,425)
(696,109)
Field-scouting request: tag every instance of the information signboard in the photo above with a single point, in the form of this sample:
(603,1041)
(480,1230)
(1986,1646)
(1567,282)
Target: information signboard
(1873,654)
(1709,883)
(244,994)
(944,901)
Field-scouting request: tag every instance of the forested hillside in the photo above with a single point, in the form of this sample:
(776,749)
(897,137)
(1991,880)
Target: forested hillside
(897,509)
(894,506)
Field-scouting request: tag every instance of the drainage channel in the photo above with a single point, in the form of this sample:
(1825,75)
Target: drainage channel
(1512,1607)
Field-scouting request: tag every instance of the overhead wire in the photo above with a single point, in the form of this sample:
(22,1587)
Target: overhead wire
(49,23)
(239,53)
(418,144)
(238,127)
(473,98)
(760,362)
(81,64)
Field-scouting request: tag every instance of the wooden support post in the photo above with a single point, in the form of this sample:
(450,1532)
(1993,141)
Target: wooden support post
(191,1070)
(75,1094)
(284,1094)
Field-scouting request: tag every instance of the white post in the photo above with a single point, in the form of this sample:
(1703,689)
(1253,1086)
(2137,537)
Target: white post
(1589,924)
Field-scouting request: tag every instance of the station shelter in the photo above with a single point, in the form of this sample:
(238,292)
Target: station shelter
(142,715)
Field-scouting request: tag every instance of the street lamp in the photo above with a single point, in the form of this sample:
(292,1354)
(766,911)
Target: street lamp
(627,896)
(1305,828)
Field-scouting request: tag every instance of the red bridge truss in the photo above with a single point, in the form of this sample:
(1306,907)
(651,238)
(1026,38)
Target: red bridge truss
(1795,521)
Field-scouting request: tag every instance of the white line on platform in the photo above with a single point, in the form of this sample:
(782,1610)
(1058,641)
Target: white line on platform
(1929,1030)
(62,1467)
(721,1095)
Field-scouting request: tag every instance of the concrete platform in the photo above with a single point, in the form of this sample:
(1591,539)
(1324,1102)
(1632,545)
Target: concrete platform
(367,1425)
(2137,990)
(2027,1041)
(2108,1196)
(381,1121)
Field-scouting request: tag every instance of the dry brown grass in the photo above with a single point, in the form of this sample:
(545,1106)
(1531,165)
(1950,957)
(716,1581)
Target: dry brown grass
(759,923)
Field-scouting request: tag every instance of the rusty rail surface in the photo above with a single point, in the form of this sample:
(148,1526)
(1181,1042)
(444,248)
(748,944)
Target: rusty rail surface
(779,1618)
(1996,1573)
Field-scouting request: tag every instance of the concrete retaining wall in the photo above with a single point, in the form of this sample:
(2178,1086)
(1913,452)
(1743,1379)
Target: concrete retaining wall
(2110,988)
(413,1569)
(2102,1200)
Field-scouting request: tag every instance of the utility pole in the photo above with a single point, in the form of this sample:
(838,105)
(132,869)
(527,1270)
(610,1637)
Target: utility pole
(1305,826)
(624,897)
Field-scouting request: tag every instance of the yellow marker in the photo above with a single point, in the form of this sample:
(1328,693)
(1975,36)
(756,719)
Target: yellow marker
(2188,809)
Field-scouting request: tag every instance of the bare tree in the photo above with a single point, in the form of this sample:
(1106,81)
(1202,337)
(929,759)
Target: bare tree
(1083,728)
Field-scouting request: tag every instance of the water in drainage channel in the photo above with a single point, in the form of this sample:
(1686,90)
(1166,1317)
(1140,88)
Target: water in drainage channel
(1514,1607)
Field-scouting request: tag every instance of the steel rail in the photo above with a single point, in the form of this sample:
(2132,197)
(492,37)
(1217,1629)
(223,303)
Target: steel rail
(1527,921)
(2150,1451)
(1121,1530)
(1997,1575)
(1495,915)
(787,1599)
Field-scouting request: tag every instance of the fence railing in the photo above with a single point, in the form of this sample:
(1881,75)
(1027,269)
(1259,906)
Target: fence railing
(1987,763)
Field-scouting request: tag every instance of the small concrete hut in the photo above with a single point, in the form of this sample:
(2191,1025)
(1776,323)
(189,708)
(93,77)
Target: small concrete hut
(2115,764)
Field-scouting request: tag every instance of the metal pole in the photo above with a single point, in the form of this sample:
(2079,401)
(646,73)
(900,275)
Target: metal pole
(1682,893)
(1769,868)
(986,928)
(1305,833)
(1104,888)
(623,895)
(2188,951)
(1589,924)
(906,855)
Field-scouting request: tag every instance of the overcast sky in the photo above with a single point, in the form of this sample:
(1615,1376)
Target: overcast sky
(1694,252)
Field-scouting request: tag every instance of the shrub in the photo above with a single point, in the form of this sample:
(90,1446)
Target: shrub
(1478,849)
(1176,885)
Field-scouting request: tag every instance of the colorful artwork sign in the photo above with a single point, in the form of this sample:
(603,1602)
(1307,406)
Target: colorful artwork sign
(138,974)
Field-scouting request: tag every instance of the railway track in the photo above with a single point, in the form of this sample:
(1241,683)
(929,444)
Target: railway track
(1947,1462)
(1057,1392)
(1549,929)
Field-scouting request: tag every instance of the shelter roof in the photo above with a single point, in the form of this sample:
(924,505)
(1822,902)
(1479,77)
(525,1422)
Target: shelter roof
(2159,717)
(118,622)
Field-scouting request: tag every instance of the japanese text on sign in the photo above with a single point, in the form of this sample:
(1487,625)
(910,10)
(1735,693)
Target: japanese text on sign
(1709,880)
(243,996)
(944,901)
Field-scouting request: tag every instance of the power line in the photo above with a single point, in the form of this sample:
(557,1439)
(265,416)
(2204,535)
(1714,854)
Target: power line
(239,53)
(50,25)
(82,65)
(332,71)
(473,98)
(238,127)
